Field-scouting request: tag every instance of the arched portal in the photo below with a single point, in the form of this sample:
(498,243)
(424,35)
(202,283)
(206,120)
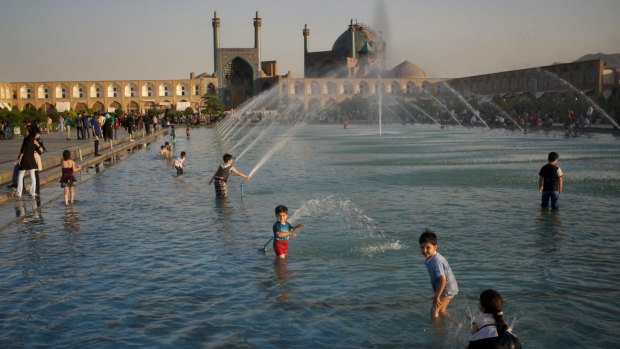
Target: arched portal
(237,81)
(98,107)
(81,107)
(133,107)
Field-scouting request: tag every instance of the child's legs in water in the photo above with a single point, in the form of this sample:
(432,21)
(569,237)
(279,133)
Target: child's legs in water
(72,191)
(66,195)
(441,309)
(546,195)
(555,196)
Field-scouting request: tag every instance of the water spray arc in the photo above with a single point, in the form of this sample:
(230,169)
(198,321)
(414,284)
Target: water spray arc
(583,95)
(462,99)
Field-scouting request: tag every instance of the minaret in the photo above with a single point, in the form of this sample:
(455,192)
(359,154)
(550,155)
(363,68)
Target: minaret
(216,43)
(306,33)
(257,25)
(352,32)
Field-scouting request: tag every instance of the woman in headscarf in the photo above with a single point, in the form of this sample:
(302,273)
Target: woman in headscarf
(27,161)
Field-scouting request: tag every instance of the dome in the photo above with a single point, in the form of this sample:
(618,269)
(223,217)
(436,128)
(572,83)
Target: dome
(363,36)
(407,70)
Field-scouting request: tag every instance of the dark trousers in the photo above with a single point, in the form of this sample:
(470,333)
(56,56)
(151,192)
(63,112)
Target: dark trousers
(96,147)
(85,132)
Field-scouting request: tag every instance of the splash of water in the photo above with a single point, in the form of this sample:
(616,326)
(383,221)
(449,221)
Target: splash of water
(380,103)
(288,135)
(353,216)
(462,99)
(443,106)
(416,108)
(372,239)
(254,141)
(583,95)
(504,114)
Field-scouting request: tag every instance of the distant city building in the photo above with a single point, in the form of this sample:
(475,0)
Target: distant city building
(354,66)
(106,96)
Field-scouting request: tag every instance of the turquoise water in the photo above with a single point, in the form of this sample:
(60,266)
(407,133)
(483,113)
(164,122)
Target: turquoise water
(146,259)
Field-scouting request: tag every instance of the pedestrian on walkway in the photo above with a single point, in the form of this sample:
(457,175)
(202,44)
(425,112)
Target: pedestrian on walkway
(27,162)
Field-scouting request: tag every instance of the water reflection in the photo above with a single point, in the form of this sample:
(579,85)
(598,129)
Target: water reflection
(550,243)
(71,221)
(29,212)
(550,222)
(283,276)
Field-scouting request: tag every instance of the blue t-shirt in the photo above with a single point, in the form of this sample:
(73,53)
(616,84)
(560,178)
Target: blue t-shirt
(277,227)
(437,265)
(95,124)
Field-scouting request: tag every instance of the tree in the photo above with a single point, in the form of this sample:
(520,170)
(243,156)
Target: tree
(212,106)
(188,111)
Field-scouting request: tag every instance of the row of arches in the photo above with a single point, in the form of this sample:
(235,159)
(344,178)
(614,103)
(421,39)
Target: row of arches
(530,82)
(98,106)
(349,87)
(100,90)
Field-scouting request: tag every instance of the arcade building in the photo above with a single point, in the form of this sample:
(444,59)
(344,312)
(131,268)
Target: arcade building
(355,65)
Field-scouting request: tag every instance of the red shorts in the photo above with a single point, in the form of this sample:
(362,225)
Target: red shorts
(280,247)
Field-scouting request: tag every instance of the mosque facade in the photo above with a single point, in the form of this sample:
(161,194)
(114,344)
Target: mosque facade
(354,66)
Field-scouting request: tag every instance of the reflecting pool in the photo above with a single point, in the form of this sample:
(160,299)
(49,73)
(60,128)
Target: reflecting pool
(148,259)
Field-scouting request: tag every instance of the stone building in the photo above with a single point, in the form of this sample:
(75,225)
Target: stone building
(107,96)
(354,66)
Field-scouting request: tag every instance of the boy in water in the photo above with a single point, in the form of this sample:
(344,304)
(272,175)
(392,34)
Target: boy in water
(442,279)
(282,231)
(550,181)
(220,178)
(179,163)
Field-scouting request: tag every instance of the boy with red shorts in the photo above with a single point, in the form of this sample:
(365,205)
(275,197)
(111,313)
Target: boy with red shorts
(282,231)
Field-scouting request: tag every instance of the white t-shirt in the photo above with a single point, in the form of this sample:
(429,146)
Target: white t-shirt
(484,331)
(179,162)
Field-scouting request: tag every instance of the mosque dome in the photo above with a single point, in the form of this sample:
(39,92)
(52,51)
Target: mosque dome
(407,70)
(364,38)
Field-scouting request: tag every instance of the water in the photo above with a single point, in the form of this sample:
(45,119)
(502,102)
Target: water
(146,259)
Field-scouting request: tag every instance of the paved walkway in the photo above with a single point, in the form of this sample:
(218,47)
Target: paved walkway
(56,143)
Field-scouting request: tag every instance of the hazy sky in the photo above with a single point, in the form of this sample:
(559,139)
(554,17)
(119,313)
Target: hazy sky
(49,40)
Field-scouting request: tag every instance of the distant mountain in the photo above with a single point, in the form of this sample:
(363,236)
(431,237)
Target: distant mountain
(613,60)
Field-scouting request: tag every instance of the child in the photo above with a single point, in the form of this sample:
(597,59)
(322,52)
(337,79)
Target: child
(282,231)
(442,279)
(187,132)
(173,134)
(489,329)
(220,178)
(69,167)
(179,163)
(162,151)
(168,150)
(550,181)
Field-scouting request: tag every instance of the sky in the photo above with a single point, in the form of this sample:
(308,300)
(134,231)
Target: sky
(52,40)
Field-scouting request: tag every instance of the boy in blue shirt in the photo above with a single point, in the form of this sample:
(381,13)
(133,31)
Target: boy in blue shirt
(442,279)
(282,231)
